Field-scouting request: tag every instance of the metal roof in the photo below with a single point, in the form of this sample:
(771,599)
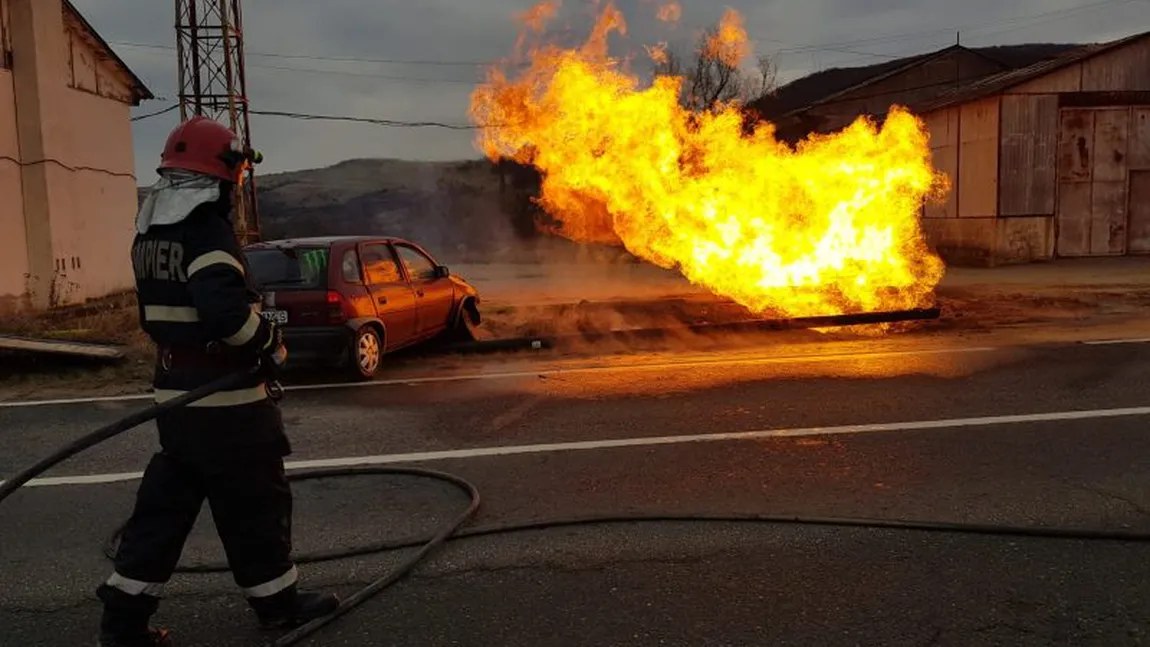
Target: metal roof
(825,86)
(139,90)
(910,63)
(1001,82)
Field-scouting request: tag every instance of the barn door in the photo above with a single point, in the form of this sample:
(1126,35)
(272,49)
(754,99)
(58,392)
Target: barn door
(1075,152)
(1092,181)
(1139,192)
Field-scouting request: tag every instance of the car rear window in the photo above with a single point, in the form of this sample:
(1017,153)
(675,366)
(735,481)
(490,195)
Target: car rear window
(300,268)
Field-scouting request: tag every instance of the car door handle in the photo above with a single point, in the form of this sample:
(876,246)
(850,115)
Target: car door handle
(382,301)
(419,293)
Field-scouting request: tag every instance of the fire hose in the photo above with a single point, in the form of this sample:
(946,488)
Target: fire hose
(455,530)
(236,379)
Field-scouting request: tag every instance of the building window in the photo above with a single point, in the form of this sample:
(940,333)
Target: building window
(5,35)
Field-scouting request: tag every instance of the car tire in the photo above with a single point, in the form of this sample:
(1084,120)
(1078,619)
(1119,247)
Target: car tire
(467,323)
(366,353)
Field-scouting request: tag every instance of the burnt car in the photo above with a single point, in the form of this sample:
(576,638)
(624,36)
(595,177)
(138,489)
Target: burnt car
(347,301)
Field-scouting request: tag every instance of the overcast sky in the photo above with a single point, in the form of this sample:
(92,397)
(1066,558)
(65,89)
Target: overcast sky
(806,36)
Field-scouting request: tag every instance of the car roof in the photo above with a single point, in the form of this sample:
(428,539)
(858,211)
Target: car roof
(321,241)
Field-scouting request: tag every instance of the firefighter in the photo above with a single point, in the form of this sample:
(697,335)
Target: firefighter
(199,305)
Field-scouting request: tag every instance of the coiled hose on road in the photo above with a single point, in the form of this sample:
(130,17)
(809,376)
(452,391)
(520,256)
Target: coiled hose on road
(454,529)
(8,487)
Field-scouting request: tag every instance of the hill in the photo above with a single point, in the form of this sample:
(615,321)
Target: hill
(455,207)
(462,211)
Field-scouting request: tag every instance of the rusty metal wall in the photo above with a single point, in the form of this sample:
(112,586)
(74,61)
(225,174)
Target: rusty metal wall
(1140,211)
(1139,188)
(1028,156)
(978,159)
(1104,154)
(1068,79)
(1127,68)
(1108,199)
(1140,138)
(942,125)
(1075,170)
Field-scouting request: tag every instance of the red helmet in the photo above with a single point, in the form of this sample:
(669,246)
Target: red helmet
(204,146)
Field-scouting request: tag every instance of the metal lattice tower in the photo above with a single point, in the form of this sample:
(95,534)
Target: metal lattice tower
(210,47)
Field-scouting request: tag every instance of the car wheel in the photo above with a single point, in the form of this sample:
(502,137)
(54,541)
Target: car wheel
(467,324)
(366,353)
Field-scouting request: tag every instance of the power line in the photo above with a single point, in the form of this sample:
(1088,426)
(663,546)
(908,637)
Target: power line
(1048,17)
(1020,23)
(369,120)
(393,123)
(156,114)
(386,77)
(835,46)
(996,32)
(1042,17)
(339,59)
(786,50)
(1033,20)
(410,79)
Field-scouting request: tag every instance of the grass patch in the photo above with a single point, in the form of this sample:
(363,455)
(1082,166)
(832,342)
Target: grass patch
(113,320)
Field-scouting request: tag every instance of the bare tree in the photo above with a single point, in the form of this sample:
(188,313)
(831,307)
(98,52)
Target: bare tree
(711,79)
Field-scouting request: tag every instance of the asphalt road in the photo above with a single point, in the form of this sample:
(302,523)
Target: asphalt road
(904,435)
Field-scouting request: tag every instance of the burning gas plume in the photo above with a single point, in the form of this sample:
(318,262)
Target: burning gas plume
(830,226)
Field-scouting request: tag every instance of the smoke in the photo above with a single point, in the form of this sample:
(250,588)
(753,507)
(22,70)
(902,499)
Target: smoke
(667,323)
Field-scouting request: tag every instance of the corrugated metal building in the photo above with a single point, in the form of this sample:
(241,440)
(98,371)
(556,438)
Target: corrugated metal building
(1049,160)
(1047,146)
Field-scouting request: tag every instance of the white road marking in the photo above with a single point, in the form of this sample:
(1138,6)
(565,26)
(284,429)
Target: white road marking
(546,448)
(727,361)
(1111,342)
(64,401)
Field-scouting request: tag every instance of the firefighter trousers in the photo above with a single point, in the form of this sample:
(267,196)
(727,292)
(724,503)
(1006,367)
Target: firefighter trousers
(251,505)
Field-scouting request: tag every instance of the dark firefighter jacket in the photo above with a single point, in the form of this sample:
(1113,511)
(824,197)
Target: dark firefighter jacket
(198,304)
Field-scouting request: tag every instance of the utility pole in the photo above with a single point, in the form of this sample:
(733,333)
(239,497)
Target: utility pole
(213,84)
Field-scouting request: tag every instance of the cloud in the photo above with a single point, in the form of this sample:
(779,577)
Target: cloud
(804,37)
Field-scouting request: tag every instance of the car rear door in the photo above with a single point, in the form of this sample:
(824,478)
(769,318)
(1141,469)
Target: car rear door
(395,302)
(434,295)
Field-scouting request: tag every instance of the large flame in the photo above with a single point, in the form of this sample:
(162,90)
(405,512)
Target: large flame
(830,226)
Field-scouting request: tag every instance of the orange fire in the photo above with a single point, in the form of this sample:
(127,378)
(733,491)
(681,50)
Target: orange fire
(830,226)
(729,43)
(670,12)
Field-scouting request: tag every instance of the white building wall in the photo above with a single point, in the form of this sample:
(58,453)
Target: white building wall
(13,251)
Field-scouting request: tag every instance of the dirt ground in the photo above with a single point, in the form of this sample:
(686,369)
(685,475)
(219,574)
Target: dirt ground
(1060,298)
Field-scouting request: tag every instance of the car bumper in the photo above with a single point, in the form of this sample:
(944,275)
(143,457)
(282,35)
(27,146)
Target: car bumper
(312,345)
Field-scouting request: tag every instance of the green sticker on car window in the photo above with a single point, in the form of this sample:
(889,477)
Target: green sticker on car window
(313,262)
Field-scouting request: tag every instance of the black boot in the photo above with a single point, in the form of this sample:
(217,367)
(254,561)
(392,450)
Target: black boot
(152,638)
(125,620)
(292,608)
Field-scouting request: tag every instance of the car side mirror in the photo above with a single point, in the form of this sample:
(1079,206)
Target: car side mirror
(441,272)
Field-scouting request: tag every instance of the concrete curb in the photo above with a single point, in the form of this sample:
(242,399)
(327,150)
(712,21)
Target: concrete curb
(753,325)
(76,349)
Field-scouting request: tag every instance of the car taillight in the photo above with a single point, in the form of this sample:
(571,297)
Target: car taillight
(336,307)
